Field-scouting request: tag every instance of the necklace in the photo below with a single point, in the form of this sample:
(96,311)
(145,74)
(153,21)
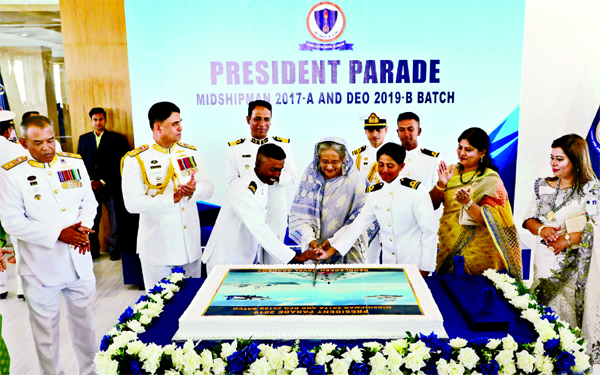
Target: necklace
(471,179)
(550,215)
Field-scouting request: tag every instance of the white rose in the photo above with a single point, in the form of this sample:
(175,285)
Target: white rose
(414,361)
(377,361)
(150,351)
(188,346)
(275,359)
(322,357)
(548,366)
(290,361)
(582,362)
(493,344)
(176,277)
(525,361)
(521,302)
(442,367)
(112,350)
(260,367)
(567,338)
(394,361)
(264,350)
(156,298)
(135,326)
(380,371)
(145,319)
(511,294)
(206,360)
(280,371)
(153,309)
(400,345)
(218,367)
(328,347)
(356,354)
(531,315)
(135,347)
(299,371)
(171,372)
(113,331)
(538,347)
(421,348)
(455,368)
(168,295)
(151,365)
(283,349)
(191,361)
(458,343)
(504,357)
(177,358)
(508,343)
(105,365)
(339,367)
(228,349)
(373,345)
(476,373)
(509,369)
(468,358)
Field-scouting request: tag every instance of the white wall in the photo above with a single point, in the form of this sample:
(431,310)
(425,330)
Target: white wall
(560,89)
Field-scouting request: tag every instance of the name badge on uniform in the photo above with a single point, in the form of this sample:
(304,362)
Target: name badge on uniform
(70,178)
(187,165)
(591,207)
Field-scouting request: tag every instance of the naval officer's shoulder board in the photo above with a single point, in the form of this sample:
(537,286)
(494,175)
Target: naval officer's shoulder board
(133,153)
(185,145)
(283,140)
(234,143)
(14,163)
(373,188)
(68,155)
(429,152)
(413,184)
(252,186)
(359,150)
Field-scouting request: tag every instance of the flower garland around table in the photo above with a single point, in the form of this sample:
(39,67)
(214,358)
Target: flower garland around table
(559,348)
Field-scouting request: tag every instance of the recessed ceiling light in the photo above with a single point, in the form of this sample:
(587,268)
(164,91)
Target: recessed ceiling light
(23,34)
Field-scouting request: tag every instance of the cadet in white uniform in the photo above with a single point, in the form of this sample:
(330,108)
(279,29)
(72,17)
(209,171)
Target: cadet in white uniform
(48,204)
(241,155)
(404,212)
(241,230)
(162,182)
(375,125)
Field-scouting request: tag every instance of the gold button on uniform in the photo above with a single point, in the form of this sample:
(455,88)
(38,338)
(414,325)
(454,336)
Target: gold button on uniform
(55,191)
(389,208)
(182,209)
(63,209)
(389,224)
(49,173)
(408,174)
(391,193)
(393,253)
(184,227)
(391,239)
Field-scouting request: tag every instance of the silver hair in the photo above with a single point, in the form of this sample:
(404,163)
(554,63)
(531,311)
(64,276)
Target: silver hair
(339,148)
(36,121)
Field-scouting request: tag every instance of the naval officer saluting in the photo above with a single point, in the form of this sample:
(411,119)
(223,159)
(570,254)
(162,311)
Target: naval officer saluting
(48,204)
(241,230)
(162,182)
(404,212)
(240,162)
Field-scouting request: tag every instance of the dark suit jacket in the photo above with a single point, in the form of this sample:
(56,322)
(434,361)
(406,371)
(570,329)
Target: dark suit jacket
(104,162)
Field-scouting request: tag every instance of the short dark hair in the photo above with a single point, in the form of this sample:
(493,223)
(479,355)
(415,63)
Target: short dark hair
(259,103)
(409,116)
(5,125)
(36,121)
(393,150)
(160,112)
(271,150)
(28,114)
(96,110)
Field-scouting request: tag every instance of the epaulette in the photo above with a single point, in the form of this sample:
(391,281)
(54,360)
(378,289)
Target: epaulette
(284,140)
(373,188)
(413,184)
(185,145)
(239,141)
(14,163)
(429,152)
(68,155)
(138,150)
(359,150)
(252,187)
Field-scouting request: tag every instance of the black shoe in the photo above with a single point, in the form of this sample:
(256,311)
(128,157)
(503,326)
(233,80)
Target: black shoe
(21,296)
(115,255)
(4,295)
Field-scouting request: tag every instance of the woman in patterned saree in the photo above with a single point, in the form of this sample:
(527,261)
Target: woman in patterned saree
(476,222)
(563,213)
(330,196)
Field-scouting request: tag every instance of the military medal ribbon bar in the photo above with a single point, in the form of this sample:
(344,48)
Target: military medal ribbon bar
(186,165)
(70,178)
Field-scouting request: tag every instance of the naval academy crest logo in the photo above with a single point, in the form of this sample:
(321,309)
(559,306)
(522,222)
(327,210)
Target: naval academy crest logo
(326,22)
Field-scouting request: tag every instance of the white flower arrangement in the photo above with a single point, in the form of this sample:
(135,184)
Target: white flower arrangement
(558,348)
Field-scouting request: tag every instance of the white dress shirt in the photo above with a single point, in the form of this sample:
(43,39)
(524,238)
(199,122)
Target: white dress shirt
(421,164)
(407,224)
(37,206)
(169,232)
(241,159)
(241,228)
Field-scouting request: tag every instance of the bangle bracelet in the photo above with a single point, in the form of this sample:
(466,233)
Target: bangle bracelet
(438,187)
(540,229)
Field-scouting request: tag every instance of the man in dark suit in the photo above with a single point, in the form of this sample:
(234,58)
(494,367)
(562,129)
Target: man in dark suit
(102,151)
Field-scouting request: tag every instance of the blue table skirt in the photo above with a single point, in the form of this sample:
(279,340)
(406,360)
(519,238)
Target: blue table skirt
(165,326)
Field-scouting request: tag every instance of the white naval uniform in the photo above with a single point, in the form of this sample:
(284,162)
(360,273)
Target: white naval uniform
(366,163)
(36,207)
(241,229)
(407,224)
(10,151)
(169,233)
(241,159)
(421,164)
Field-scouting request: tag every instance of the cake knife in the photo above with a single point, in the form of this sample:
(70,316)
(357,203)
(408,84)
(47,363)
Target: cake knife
(315,273)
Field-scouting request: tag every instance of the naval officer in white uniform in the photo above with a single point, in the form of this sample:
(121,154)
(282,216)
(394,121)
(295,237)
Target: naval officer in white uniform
(48,204)
(241,155)
(162,182)
(404,212)
(375,125)
(241,231)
